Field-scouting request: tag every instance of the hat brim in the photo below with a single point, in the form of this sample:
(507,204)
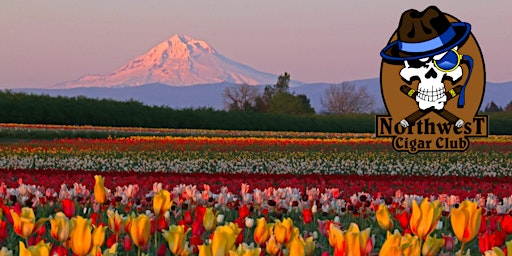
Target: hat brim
(392,53)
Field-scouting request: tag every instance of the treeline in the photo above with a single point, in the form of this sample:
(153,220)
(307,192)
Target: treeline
(43,109)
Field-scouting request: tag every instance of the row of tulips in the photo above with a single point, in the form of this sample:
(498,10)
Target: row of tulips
(223,144)
(163,156)
(133,131)
(173,222)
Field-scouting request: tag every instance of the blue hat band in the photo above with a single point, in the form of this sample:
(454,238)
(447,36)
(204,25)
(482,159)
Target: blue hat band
(428,45)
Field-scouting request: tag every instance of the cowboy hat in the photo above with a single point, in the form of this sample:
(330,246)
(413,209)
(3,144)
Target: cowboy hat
(425,34)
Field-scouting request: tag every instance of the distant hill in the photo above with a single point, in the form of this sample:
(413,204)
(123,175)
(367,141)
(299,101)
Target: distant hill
(210,95)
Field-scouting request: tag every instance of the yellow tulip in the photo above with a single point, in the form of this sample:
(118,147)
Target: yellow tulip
(283,230)
(112,251)
(224,238)
(392,244)
(424,218)
(509,248)
(356,240)
(432,246)
(209,219)
(309,246)
(273,248)
(262,231)
(337,240)
(205,250)
(25,224)
(162,202)
(5,252)
(40,249)
(81,237)
(100,193)
(140,230)
(396,244)
(382,215)
(410,245)
(245,250)
(176,238)
(61,227)
(466,220)
(296,247)
(115,222)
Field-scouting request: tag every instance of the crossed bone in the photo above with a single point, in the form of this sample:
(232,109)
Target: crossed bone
(451,118)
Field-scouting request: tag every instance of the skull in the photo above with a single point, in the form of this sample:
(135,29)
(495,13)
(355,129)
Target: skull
(431,89)
(431,93)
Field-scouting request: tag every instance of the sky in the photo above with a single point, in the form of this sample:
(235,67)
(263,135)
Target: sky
(43,43)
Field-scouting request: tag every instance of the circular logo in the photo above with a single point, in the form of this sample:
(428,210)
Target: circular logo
(432,81)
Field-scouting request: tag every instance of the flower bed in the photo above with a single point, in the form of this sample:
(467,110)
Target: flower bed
(253,195)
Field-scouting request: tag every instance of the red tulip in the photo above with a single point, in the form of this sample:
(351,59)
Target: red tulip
(161,224)
(199,212)
(68,207)
(197,227)
(41,231)
(94,218)
(403,219)
(111,240)
(162,250)
(243,212)
(127,243)
(187,217)
(506,224)
(307,215)
(3,231)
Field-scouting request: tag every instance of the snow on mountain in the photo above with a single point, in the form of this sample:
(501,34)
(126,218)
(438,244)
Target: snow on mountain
(179,61)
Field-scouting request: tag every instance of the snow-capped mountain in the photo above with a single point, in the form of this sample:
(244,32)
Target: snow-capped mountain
(179,61)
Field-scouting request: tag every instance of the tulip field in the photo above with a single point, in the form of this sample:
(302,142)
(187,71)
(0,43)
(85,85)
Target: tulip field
(135,191)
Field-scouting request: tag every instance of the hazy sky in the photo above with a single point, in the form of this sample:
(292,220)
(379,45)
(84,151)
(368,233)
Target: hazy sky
(46,42)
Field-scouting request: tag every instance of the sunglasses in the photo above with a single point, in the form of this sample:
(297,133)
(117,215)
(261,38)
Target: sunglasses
(449,62)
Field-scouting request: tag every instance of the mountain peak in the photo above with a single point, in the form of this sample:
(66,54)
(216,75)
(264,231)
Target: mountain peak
(179,60)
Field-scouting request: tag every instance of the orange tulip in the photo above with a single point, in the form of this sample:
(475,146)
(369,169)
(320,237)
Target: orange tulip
(296,247)
(273,248)
(337,240)
(25,224)
(98,238)
(61,227)
(140,230)
(262,231)
(424,218)
(466,220)
(357,240)
(283,230)
(100,193)
(81,237)
(162,202)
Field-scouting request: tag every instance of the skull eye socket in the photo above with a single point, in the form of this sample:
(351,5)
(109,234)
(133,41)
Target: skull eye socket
(449,62)
(416,63)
